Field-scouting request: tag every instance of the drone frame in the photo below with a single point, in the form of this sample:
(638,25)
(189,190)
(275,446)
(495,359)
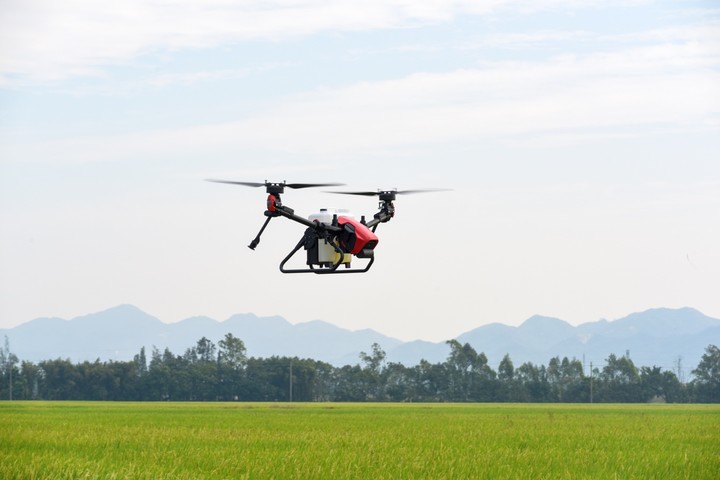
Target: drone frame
(317,232)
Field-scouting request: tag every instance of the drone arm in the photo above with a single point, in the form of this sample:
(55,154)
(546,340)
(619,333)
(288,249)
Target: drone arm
(379,218)
(387,211)
(277,209)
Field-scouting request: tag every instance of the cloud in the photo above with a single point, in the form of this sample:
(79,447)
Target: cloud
(49,40)
(46,40)
(652,88)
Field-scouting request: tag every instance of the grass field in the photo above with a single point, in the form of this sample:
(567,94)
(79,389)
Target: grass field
(76,440)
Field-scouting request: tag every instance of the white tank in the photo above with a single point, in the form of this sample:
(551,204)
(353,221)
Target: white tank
(325,215)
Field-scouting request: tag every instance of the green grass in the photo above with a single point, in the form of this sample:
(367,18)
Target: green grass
(372,441)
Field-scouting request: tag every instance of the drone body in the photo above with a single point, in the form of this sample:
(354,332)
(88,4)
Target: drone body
(332,237)
(355,238)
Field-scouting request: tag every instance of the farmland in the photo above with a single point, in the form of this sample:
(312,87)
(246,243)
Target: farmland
(337,440)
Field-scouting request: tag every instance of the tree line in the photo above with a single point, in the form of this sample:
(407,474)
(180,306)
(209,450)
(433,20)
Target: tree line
(224,372)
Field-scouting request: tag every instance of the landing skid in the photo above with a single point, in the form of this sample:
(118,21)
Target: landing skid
(309,241)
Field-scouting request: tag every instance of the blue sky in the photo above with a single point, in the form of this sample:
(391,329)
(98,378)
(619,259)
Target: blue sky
(580,140)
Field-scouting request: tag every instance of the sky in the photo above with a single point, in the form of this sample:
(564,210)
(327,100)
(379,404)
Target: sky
(580,141)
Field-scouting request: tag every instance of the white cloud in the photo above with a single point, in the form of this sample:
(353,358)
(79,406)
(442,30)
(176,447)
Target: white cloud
(656,87)
(43,40)
(46,40)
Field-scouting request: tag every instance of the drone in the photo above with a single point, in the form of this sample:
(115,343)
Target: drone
(332,237)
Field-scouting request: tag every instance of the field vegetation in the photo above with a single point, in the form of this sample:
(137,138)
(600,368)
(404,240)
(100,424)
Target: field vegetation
(160,440)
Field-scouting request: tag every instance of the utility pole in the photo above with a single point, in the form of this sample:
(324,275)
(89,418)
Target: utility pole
(591,383)
(679,372)
(291,382)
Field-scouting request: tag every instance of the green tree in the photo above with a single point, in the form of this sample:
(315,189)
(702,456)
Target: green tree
(350,384)
(8,373)
(372,373)
(431,382)
(61,380)
(398,382)
(203,351)
(33,376)
(574,387)
(509,388)
(506,370)
(167,377)
(232,352)
(232,359)
(267,379)
(619,381)
(706,384)
(566,379)
(140,361)
(470,376)
(202,370)
(375,361)
(255,385)
(659,385)
(533,382)
(462,375)
(306,381)
(324,386)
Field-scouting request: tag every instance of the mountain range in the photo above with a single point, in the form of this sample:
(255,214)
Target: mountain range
(668,338)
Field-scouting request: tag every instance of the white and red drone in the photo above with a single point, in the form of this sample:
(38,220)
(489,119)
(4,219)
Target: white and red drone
(332,237)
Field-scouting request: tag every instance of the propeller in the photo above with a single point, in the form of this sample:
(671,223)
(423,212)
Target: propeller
(276,187)
(396,192)
(389,195)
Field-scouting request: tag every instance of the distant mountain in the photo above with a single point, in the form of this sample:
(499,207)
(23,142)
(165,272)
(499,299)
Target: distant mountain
(120,332)
(655,337)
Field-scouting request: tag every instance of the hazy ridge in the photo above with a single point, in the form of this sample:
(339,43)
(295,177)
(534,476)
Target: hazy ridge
(660,337)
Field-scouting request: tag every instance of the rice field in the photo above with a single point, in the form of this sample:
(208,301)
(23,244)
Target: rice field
(76,440)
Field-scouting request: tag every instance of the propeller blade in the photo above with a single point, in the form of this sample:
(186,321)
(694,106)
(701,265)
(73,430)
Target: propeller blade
(276,184)
(425,190)
(308,185)
(247,184)
(367,194)
(397,192)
